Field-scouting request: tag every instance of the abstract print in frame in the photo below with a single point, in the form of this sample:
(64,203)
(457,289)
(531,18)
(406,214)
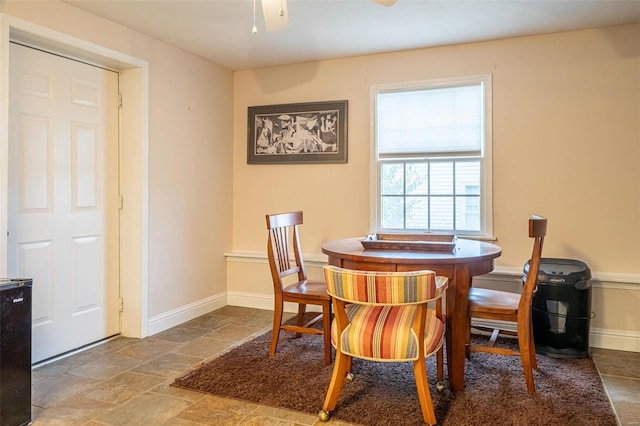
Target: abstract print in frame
(314,132)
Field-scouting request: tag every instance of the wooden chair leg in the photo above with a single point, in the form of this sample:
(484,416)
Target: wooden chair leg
(532,358)
(340,370)
(326,327)
(302,308)
(525,356)
(532,345)
(467,351)
(424,395)
(277,322)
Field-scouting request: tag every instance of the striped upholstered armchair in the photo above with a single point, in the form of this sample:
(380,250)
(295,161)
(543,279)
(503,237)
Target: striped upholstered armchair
(383,316)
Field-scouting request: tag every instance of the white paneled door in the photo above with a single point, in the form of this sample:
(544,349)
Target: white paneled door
(63,197)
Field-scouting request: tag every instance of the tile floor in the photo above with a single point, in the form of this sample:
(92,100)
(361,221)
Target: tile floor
(126,381)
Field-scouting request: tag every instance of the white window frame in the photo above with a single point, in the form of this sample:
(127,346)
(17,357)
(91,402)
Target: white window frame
(486,166)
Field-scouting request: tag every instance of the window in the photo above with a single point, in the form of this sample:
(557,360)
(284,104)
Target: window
(433,156)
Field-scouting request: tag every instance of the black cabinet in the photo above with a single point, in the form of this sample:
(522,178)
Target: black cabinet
(15,352)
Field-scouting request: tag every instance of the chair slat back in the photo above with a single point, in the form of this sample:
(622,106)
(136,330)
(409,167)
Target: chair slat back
(280,240)
(283,241)
(380,288)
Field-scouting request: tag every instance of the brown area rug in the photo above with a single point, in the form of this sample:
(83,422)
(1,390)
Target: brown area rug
(569,391)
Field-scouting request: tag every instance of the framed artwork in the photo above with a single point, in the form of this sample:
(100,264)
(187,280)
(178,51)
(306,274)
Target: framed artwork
(314,132)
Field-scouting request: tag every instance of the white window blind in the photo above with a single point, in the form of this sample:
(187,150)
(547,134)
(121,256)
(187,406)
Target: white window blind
(439,121)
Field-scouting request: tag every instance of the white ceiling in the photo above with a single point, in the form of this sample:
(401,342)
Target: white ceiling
(220,30)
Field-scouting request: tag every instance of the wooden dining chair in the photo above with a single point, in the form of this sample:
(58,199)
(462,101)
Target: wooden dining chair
(383,316)
(514,308)
(290,283)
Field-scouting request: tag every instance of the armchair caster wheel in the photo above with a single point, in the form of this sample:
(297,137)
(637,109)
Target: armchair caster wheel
(323,416)
(350,376)
(439,386)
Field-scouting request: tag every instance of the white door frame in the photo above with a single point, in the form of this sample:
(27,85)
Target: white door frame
(133,158)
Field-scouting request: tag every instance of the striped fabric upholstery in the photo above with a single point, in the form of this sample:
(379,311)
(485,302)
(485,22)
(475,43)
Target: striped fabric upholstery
(381,313)
(373,287)
(372,333)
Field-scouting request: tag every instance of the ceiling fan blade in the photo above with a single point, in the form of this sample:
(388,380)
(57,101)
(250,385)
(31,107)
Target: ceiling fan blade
(385,2)
(276,16)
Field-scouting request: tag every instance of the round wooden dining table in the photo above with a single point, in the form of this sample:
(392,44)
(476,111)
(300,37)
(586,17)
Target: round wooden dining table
(468,258)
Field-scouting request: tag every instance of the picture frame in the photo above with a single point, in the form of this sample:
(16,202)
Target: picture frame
(300,133)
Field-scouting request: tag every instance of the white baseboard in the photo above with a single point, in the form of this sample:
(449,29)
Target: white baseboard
(186,313)
(503,325)
(598,337)
(261,301)
(191,311)
(614,339)
(249,300)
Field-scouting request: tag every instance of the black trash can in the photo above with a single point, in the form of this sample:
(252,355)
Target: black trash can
(562,308)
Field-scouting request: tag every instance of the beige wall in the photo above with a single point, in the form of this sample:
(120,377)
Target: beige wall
(190,155)
(569,102)
(566,145)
